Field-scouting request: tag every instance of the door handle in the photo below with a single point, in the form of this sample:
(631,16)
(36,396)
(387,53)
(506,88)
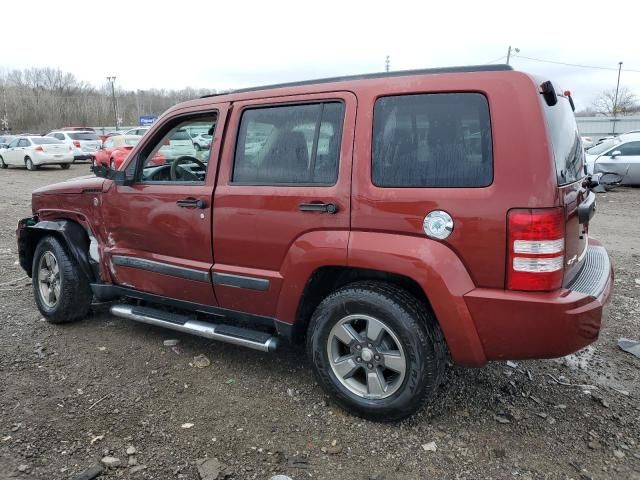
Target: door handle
(191,203)
(318,207)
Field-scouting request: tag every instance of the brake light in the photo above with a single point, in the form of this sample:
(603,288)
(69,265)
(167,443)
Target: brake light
(76,143)
(536,249)
(39,149)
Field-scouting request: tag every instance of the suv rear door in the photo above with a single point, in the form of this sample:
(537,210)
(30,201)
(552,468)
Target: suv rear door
(284,182)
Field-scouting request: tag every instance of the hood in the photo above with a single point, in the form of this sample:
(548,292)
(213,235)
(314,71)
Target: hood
(73,185)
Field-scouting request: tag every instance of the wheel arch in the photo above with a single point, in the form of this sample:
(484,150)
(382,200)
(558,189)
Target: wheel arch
(71,233)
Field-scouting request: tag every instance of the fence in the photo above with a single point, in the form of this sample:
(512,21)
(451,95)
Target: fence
(604,126)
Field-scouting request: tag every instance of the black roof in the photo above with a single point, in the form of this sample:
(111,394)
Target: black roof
(366,76)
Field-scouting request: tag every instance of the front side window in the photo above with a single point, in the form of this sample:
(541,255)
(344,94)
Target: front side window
(13,144)
(289,145)
(432,140)
(172,157)
(628,149)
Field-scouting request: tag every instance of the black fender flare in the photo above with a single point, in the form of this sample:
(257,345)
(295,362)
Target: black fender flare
(74,236)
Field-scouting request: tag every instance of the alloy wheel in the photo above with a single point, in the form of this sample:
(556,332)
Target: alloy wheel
(366,356)
(49,279)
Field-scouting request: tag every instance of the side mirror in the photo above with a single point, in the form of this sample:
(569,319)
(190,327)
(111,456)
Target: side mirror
(119,177)
(616,153)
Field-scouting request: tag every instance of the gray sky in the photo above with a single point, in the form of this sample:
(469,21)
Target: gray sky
(238,44)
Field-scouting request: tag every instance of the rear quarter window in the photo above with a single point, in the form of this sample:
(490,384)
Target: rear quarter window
(432,140)
(566,144)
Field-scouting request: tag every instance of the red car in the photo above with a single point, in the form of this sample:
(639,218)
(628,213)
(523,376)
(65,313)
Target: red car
(115,151)
(390,221)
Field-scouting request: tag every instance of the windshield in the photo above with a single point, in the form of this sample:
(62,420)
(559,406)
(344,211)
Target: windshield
(180,135)
(603,147)
(45,141)
(82,136)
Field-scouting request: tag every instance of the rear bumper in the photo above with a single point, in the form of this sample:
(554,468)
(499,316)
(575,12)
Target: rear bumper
(83,156)
(524,325)
(50,159)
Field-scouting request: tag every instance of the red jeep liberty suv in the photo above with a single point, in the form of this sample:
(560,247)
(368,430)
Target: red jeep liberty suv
(391,221)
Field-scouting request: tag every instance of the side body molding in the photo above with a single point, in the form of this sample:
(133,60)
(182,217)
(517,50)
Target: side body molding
(440,273)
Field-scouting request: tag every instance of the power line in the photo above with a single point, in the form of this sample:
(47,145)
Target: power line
(574,64)
(493,61)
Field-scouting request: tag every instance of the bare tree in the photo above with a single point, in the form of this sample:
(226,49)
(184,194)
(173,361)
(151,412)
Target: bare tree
(41,99)
(626,103)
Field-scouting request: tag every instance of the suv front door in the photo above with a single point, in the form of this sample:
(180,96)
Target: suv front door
(283,196)
(159,227)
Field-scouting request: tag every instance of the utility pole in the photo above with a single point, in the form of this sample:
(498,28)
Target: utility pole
(112,81)
(516,50)
(387,62)
(615,102)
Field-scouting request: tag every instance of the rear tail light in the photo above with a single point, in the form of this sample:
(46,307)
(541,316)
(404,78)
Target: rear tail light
(536,249)
(39,149)
(76,143)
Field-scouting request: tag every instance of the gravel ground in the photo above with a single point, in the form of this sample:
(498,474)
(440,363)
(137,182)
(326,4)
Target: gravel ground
(73,394)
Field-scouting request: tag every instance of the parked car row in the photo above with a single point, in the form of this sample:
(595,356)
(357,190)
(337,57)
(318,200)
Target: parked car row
(618,156)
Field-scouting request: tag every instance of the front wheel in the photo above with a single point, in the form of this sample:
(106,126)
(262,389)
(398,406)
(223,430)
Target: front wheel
(60,288)
(376,350)
(2,164)
(30,165)
(65,166)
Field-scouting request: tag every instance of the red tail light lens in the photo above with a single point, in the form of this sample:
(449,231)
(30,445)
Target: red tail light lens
(536,249)
(39,149)
(76,143)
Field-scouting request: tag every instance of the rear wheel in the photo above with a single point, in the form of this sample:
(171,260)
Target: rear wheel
(376,350)
(65,166)
(2,164)
(29,163)
(61,290)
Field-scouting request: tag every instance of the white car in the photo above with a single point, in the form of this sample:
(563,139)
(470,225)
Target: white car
(619,155)
(33,152)
(202,141)
(137,131)
(179,144)
(83,143)
(587,142)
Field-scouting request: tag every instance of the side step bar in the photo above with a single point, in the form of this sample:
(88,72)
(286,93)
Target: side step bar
(243,337)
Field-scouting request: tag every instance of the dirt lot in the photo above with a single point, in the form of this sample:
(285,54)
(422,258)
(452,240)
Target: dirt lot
(69,395)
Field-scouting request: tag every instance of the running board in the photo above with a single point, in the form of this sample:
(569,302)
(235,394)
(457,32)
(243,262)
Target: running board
(265,342)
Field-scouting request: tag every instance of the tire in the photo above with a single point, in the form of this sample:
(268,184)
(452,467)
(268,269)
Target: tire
(2,164)
(412,340)
(29,164)
(65,166)
(72,296)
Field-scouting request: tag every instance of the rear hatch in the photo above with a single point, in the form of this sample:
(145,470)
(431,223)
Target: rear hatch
(573,196)
(86,141)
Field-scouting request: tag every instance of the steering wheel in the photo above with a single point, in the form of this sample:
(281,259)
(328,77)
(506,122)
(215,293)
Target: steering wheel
(184,172)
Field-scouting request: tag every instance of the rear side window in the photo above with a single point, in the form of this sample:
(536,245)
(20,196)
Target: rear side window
(292,145)
(629,149)
(432,140)
(82,136)
(565,140)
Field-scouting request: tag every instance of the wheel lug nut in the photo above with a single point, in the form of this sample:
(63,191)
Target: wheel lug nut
(369,365)
(369,345)
(377,357)
(358,347)
(358,359)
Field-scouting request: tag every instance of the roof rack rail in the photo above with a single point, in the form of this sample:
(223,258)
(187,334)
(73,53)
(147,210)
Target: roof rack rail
(366,76)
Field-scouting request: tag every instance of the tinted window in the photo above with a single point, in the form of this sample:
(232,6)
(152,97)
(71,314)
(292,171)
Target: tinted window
(83,136)
(433,140)
(45,141)
(565,140)
(289,145)
(628,149)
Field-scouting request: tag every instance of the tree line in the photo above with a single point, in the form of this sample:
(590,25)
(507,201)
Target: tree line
(37,100)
